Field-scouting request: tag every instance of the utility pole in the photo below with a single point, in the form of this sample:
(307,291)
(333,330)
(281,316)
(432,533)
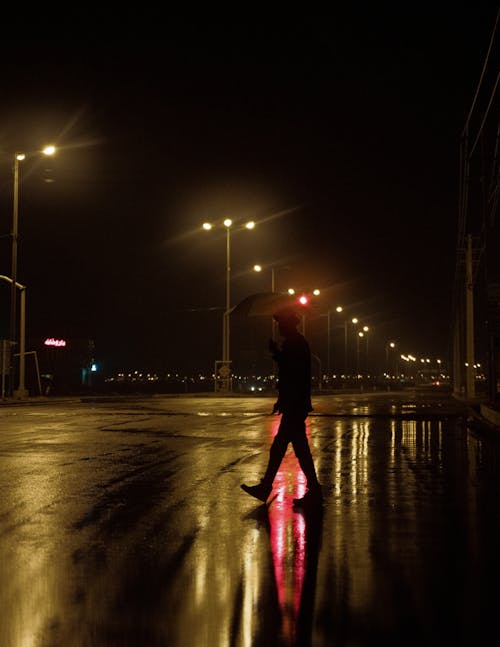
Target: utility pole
(469,322)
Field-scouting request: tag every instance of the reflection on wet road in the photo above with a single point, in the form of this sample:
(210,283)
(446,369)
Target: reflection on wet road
(124,524)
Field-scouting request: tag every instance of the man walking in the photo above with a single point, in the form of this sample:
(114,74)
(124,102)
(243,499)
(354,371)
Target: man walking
(294,403)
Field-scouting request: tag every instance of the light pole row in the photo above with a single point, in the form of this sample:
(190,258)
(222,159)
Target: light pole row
(361,333)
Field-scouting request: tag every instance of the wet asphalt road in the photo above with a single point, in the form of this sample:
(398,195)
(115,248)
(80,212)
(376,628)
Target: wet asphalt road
(122,524)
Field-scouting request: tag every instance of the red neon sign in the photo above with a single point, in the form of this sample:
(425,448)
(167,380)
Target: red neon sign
(59,343)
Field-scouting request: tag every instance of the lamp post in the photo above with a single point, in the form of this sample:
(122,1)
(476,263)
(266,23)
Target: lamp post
(274,270)
(21,391)
(388,346)
(354,321)
(358,337)
(366,336)
(226,331)
(18,157)
(338,309)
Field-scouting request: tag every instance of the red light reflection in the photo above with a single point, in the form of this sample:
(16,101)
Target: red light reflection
(288,538)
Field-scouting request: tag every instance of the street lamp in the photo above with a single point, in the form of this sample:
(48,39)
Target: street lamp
(274,270)
(21,391)
(365,330)
(354,321)
(358,337)
(226,332)
(303,300)
(18,157)
(338,309)
(389,345)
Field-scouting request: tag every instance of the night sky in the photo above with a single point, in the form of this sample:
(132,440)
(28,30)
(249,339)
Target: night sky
(337,133)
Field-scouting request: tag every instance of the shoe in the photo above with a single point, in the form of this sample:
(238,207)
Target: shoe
(260,491)
(314,496)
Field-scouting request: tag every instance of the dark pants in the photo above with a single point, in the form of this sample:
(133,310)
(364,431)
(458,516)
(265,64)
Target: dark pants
(292,429)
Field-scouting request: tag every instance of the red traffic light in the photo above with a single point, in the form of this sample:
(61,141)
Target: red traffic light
(303,300)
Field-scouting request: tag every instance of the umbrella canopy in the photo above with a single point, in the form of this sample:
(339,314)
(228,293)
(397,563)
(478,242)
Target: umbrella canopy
(263,304)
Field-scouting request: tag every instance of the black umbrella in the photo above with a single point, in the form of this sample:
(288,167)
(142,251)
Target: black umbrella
(263,304)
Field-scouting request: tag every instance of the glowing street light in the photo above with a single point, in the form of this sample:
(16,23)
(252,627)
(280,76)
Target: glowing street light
(18,157)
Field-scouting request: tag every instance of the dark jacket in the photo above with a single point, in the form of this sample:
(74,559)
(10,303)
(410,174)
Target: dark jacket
(294,375)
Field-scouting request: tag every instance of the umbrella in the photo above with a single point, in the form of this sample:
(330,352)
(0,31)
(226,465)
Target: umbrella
(263,304)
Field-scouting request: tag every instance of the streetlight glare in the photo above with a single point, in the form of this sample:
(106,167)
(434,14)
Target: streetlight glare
(316,293)
(354,320)
(49,150)
(250,225)
(207,226)
(20,156)
(257,268)
(291,291)
(339,308)
(365,328)
(228,222)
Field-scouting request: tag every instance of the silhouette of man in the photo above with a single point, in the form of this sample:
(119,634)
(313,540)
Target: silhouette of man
(294,404)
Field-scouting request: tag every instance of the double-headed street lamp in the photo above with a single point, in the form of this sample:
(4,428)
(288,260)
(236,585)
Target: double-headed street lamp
(303,299)
(18,157)
(274,271)
(226,333)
